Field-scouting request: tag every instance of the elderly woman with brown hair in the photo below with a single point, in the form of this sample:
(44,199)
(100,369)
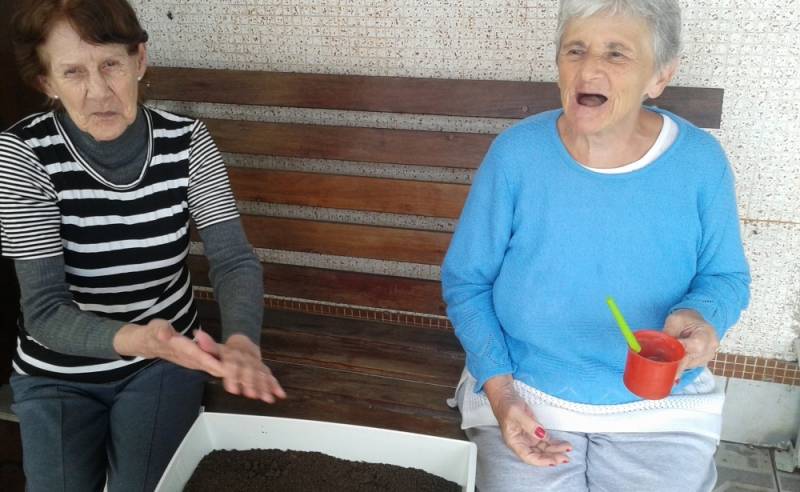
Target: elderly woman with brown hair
(96,197)
(604,196)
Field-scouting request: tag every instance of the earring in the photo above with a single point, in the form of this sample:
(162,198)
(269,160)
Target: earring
(139,78)
(55,97)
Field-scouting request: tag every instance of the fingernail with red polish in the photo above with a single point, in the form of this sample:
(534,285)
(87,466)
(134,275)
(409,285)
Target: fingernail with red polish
(569,450)
(551,464)
(539,432)
(565,462)
(677,380)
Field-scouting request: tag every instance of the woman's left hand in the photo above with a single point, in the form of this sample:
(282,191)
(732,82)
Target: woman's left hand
(244,373)
(697,336)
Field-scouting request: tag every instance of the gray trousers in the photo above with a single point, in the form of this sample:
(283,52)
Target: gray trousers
(75,435)
(618,462)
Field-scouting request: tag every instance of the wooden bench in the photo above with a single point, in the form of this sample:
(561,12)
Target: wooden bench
(349,346)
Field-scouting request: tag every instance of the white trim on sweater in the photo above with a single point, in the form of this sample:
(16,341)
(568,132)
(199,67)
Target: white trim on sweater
(697,409)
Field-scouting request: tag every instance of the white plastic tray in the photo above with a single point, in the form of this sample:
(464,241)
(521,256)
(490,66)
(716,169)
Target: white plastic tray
(451,459)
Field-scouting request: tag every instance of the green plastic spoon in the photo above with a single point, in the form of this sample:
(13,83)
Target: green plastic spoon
(623,326)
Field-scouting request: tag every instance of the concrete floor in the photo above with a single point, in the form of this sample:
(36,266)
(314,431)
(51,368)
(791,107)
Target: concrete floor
(744,468)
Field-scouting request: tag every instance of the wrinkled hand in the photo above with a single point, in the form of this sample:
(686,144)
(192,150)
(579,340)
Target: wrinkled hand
(698,338)
(158,339)
(243,371)
(521,431)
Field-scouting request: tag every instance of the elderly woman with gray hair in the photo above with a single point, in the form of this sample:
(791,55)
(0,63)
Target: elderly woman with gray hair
(604,196)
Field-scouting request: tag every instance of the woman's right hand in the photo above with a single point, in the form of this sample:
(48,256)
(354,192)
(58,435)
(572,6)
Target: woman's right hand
(158,339)
(521,431)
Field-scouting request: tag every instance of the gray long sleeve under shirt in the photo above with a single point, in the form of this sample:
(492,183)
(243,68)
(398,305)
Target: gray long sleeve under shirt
(53,319)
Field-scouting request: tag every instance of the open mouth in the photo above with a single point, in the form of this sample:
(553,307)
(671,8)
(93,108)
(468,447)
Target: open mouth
(591,100)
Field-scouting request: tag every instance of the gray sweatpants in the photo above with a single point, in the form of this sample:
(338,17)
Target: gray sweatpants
(618,462)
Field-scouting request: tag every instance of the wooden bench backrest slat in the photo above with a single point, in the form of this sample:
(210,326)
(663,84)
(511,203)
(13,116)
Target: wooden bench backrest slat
(439,342)
(349,192)
(478,98)
(341,287)
(342,143)
(699,105)
(340,239)
(356,289)
(361,241)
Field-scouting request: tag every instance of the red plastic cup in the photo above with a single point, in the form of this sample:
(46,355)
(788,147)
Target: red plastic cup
(651,373)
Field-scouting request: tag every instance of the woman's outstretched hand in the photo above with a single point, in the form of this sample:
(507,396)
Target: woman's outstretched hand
(158,339)
(243,371)
(237,362)
(698,338)
(521,431)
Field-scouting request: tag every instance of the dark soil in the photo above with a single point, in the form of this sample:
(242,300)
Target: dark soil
(289,471)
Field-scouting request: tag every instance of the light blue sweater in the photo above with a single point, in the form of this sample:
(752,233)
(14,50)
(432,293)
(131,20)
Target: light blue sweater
(543,241)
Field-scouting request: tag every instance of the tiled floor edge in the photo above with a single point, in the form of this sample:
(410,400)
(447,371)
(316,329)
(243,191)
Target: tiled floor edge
(727,365)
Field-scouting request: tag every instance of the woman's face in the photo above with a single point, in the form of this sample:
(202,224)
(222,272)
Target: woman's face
(605,71)
(97,84)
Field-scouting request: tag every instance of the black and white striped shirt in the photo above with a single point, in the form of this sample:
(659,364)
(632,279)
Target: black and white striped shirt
(124,246)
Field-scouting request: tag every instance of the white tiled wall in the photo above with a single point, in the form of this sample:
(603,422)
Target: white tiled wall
(747,47)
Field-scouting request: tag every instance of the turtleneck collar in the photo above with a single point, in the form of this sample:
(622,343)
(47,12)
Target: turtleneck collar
(120,160)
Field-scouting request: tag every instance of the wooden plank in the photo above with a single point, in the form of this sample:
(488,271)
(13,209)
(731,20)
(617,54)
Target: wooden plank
(479,98)
(352,240)
(396,196)
(378,145)
(349,398)
(700,105)
(366,347)
(341,287)
(378,390)
(357,289)
(340,239)
(416,338)
(362,356)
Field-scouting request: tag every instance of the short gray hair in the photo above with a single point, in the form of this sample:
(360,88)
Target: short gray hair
(663,17)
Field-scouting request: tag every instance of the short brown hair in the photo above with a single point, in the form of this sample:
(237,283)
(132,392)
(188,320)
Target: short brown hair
(95,21)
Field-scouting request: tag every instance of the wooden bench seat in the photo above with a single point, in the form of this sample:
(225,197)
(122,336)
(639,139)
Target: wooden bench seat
(353,371)
(384,354)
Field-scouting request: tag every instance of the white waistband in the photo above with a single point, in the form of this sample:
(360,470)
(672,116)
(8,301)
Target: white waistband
(697,410)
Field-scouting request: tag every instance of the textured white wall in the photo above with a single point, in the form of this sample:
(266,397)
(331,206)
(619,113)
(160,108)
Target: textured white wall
(747,47)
